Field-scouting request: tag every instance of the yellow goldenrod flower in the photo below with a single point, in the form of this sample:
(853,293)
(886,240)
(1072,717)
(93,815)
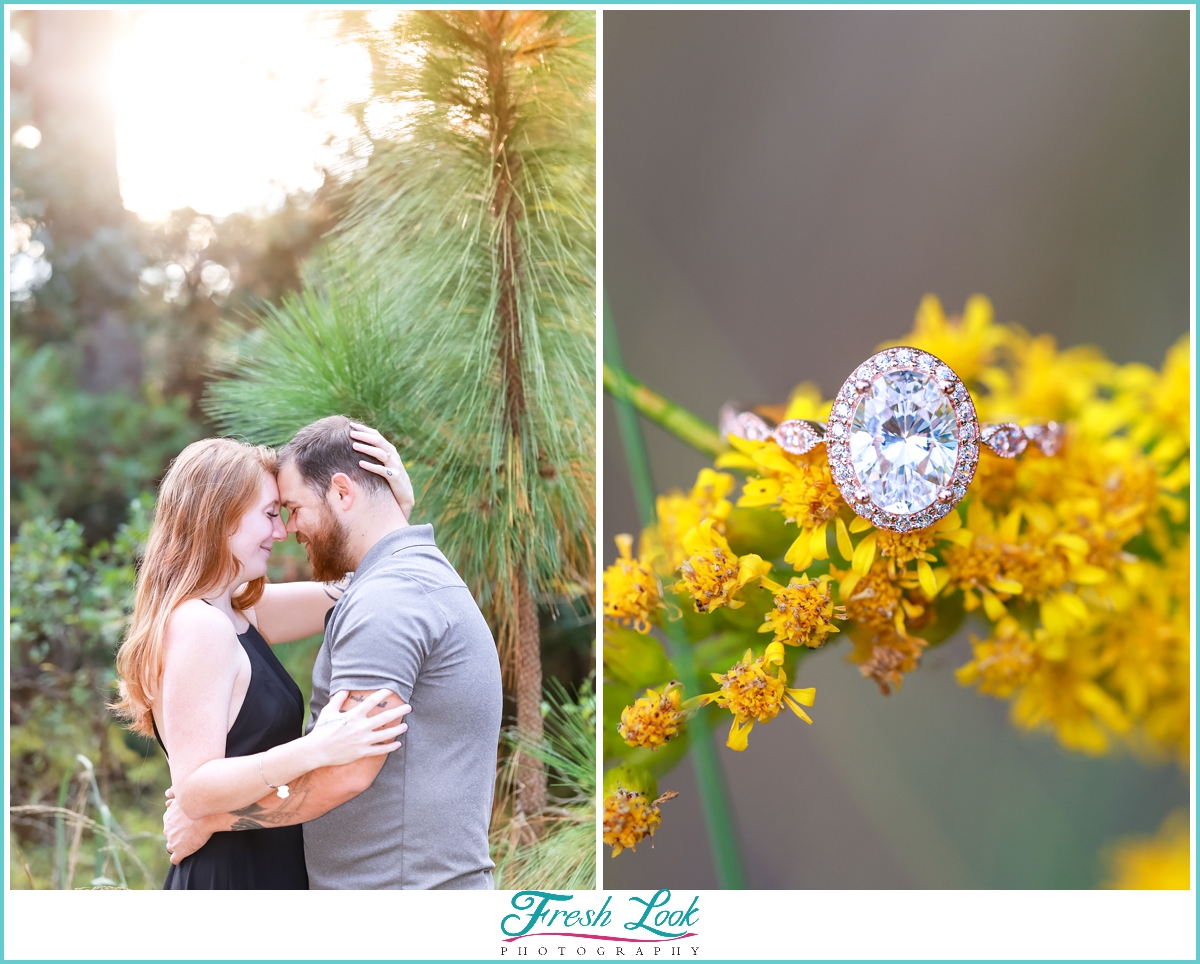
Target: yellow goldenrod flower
(966,344)
(678,513)
(890,659)
(1003,663)
(901,548)
(712,572)
(872,599)
(631,590)
(803,613)
(1079,562)
(995,480)
(653,719)
(806,403)
(799,486)
(1162,862)
(1065,697)
(982,568)
(629,818)
(753,692)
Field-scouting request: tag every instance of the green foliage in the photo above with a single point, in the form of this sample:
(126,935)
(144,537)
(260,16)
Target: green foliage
(84,456)
(634,659)
(69,610)
(630,778)
(554,850)
(458,310)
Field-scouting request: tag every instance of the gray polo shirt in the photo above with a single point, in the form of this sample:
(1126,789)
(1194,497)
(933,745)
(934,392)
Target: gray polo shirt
(408,623)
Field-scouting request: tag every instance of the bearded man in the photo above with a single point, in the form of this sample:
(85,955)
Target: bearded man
(416,818)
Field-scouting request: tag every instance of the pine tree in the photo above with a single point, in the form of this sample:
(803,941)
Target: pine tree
(456,311)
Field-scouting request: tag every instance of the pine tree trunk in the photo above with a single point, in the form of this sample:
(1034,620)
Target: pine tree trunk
(531,775)
(506,207)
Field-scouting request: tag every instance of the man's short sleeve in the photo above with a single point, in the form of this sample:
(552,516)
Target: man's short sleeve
(382,630)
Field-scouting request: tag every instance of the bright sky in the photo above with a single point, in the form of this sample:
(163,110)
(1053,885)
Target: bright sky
(227,108)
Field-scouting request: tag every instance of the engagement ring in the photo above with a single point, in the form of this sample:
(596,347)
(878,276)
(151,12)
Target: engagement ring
(902,440)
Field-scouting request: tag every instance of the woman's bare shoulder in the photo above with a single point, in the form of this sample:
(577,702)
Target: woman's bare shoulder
(195,623)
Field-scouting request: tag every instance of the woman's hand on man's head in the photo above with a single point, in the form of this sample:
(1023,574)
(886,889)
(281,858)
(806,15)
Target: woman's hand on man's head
(387,464)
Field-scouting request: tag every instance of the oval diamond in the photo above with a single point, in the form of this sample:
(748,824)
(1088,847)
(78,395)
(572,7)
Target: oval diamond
(904,441)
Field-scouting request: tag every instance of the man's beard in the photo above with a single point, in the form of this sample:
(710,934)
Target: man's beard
(329,549)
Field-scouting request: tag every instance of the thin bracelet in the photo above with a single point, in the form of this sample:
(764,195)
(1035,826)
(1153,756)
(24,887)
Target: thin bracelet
(281,790)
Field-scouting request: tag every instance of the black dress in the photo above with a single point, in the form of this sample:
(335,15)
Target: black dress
(270,858)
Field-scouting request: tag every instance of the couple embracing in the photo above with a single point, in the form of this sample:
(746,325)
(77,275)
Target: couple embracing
(391,784)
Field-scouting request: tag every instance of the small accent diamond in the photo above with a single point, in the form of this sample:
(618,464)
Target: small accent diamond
(795,436)
(1049,437)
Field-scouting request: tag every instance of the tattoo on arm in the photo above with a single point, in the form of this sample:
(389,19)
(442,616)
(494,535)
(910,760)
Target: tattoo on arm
(359,699)
(340,586)
(256,816)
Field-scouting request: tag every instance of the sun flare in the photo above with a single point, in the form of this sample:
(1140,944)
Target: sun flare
(226,109)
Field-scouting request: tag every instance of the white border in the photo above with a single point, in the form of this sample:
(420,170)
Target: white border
(744,925)
(598,535)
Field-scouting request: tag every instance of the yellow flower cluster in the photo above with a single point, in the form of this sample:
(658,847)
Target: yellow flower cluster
(712,573)
(629,818)
(755,690)
(1162,862)
(803,612)
(653,719)
(1076,564)
(799,486)
(678,514)
(1079,561)
(631,589)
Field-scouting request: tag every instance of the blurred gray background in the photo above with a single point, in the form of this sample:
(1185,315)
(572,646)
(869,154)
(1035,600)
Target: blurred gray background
(780,189)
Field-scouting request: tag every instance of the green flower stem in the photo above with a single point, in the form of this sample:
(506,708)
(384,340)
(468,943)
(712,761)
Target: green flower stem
(674,418)
(718,820)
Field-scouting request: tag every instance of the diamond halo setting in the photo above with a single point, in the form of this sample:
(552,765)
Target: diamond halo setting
(903,439)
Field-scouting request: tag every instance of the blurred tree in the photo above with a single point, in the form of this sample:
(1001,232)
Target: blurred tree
(459,306)
(114,320)
(204,272)
(66,198)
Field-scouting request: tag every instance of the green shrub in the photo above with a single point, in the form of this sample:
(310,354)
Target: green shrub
(70,605)
(82,456)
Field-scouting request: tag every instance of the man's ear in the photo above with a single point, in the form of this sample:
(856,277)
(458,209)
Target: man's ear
(341,492)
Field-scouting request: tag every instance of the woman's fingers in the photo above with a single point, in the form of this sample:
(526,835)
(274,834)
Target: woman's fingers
(375,467)
(334,706)
(384,736)
(373,450)
(378,749)
(374,439)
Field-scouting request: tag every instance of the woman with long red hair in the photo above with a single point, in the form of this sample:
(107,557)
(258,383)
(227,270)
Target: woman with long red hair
(196,667)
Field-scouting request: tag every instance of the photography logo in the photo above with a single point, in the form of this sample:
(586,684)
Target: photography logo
(546,924)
